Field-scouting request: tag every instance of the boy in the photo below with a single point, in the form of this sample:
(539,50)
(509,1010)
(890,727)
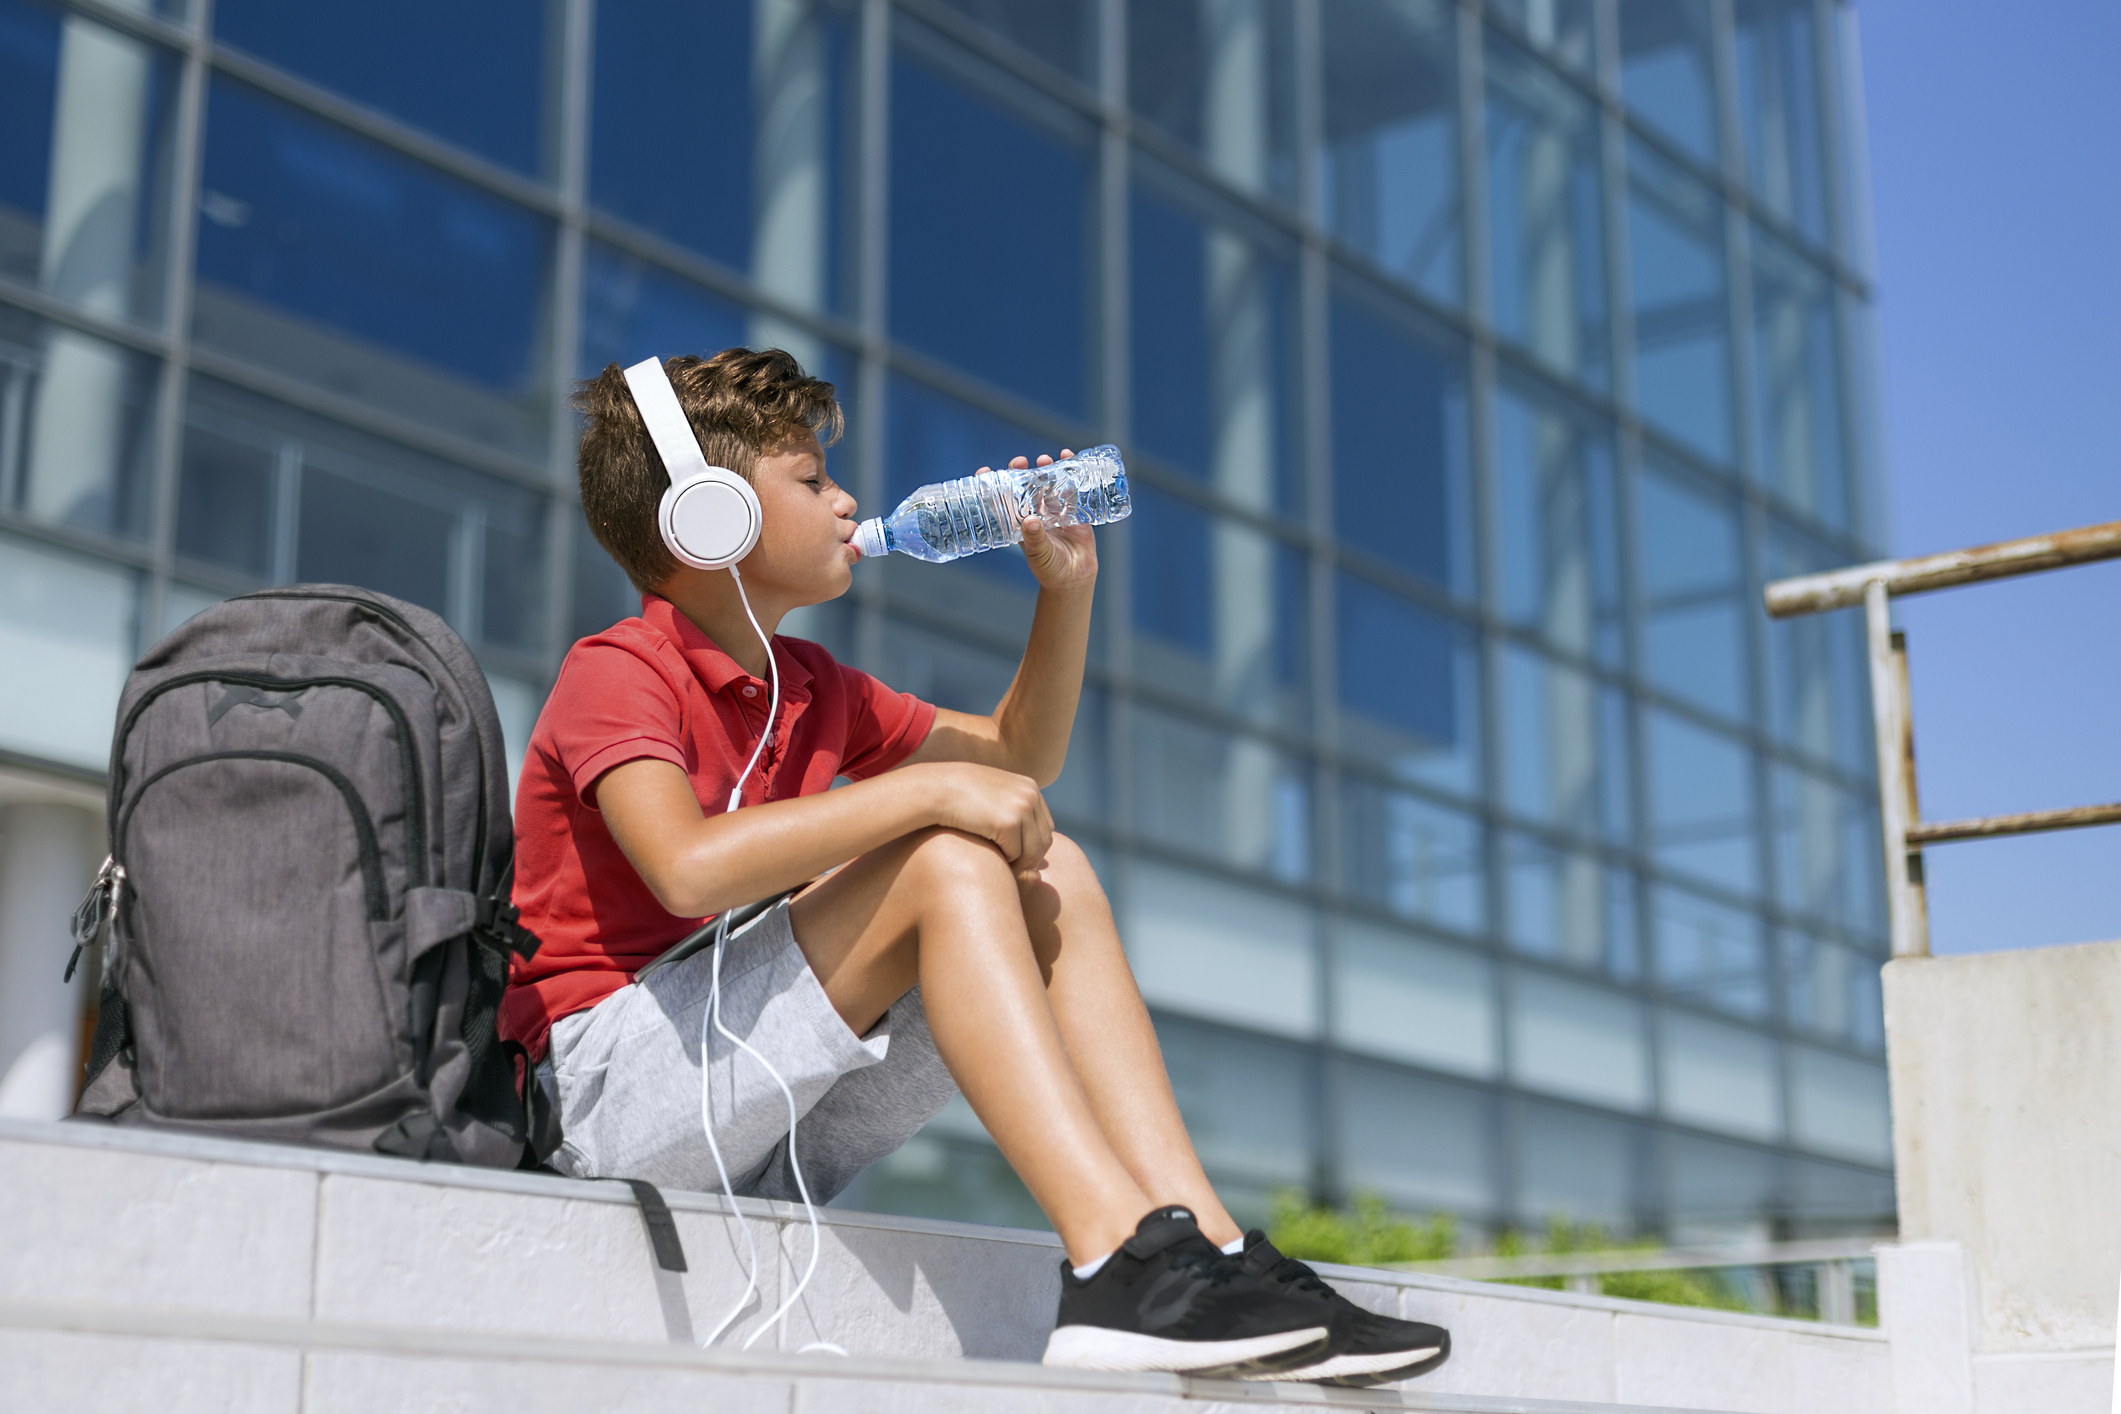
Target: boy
(923,929)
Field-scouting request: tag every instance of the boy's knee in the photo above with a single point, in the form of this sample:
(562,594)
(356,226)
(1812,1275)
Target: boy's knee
(1068,868)
(951,856)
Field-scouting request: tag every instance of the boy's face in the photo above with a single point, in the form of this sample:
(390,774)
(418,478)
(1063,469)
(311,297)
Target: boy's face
(805,553)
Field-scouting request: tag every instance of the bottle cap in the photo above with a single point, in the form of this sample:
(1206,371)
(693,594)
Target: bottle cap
(869,538)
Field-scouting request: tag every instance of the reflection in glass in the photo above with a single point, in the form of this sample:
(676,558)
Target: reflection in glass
(757,170)
(67,636)
(1565,756)
(992,223)
(1709,952)
(1410,856)
(1827,859)
(1566,30)
(1061,32)
(1546,219)
(77,429)
(1682,322)
(1216,949)
(1229,798)
(632,310)
(1578,1041)
(84,171)
(1421,1143)
(1248,1104)
(1701,803)
(1557,519)
(1220,611)
(1840,1105)
(1399,447)
(1220,76)
(1819,674)
(1797,382)
(278,496)
(1693,587)
(602,595)
(1409,687)
(1576,1166)
(1721,1192)
(1568,907)
(1216,379)
(1778,111)
(331,259)
(470,72)
(1668,70)
(1406,998)
(1390,169)
(1718,1076)
(1832,991)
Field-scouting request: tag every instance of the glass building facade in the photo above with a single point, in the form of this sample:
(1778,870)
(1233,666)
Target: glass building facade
(1477,840)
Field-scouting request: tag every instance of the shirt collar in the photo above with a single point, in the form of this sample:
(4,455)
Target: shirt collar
(715,669)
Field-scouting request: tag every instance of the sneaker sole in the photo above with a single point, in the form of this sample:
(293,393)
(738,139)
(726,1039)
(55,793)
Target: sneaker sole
(1098,1348)
(1342,1367)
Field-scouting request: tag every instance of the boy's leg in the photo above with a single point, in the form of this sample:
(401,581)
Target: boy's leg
(943,909)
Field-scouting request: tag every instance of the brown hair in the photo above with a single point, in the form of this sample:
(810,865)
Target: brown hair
(742,404)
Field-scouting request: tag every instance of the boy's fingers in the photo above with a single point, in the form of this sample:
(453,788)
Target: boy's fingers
(1018,463)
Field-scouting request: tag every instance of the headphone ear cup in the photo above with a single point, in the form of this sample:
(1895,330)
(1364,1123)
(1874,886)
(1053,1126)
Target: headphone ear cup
(711,520)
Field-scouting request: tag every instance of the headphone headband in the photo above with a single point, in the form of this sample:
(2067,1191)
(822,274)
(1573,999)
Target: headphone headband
(710,516)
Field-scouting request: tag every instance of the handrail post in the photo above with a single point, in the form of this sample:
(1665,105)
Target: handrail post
(1894,731)
(1837,1292)
(1917,884)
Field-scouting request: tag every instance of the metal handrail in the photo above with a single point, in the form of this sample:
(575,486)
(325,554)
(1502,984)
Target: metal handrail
(1892,714)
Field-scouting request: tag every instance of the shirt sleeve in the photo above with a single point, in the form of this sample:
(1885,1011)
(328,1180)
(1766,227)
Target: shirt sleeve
(888,726)
(609,707)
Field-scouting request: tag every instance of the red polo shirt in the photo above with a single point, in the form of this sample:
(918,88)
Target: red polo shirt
(657,687)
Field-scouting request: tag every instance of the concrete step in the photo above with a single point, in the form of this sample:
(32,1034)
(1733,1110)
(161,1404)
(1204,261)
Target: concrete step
(163,1271)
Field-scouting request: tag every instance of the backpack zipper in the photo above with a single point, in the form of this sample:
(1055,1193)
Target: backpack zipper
(95,910)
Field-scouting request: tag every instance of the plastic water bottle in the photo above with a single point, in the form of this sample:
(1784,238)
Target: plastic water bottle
(947,520)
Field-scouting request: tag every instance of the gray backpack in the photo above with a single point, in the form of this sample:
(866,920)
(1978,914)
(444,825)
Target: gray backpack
(308,885)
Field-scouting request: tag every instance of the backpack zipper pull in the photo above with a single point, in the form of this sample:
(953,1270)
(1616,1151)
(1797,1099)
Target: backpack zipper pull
(95,910)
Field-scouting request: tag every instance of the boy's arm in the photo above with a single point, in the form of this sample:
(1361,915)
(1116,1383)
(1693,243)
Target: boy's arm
(1028,732)
(696,865)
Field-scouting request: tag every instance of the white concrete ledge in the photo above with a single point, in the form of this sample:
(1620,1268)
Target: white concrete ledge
(342,1255)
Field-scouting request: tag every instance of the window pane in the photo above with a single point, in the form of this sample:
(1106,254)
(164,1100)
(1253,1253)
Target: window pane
(1720,1077)
(1833,991)
(1220,611)
(1423,1144)
(1778,111)
(1582,1042)
(632,310)
(1568,907)
(1558,530)
(1577,1166)
(992,224)
(1216,378)
(769,192)
(1693,584)
(67,635)
(1409,687)
(1417,859)
(1565,760)
(1668,70)
(469,72)
(1061,32)
(1247,1103)
(1720,1192)
(1709,952)
(1797,382)
(1399,447)
(602,595)
(1682,320)
(1701,803)
(328,258)
(1220,78)
(1546,216)
(1827,857)
(1819,697)
(84,172)
(1228,798)
(77,428)
(1409,999)
(1855,1200)
(1841,1106)
(1565,30)
(1216,949)
(1390,169)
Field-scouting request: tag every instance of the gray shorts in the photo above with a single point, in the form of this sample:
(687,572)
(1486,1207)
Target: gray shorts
(626,1075)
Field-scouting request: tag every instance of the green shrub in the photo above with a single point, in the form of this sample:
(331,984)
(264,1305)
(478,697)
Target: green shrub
(1365,1234)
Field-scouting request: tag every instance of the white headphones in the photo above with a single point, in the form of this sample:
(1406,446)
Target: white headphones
(710,516)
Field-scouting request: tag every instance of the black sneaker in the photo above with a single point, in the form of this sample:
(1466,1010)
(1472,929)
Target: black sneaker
(1366,1349)
(1168,1299)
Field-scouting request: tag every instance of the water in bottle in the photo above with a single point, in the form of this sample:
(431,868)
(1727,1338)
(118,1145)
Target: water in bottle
(947,520)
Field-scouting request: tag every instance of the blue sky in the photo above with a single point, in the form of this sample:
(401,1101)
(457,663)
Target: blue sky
(1998,212)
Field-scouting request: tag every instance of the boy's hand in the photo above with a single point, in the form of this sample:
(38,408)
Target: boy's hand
(995,805)
(1060,556)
